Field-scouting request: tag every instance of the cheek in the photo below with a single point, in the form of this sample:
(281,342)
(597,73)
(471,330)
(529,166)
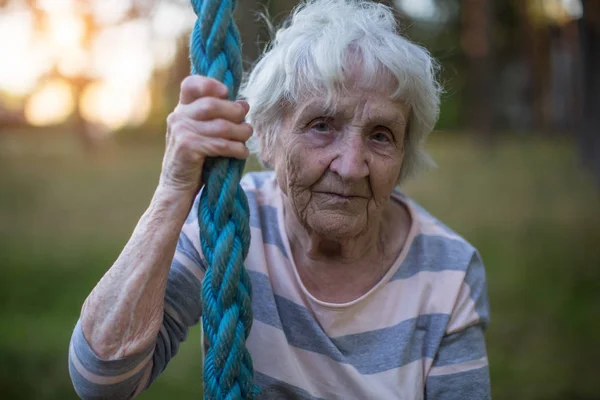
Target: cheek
(304,165)
(384,175)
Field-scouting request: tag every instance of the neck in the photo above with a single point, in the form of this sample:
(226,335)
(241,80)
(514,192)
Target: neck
(340,270)
(330,249)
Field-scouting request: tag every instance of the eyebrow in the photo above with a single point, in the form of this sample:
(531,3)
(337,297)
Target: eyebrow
(319,108)
(387,120)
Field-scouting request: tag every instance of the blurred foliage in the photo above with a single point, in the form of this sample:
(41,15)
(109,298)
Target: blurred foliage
(526,206)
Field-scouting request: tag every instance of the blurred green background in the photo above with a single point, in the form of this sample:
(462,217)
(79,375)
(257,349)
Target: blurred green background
(517,149)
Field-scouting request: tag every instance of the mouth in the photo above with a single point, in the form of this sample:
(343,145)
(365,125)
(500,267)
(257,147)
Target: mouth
(342,196)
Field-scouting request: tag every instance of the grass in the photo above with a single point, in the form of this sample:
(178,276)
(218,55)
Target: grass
(526,205)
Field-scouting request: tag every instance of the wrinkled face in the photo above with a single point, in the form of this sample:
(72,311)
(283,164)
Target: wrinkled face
(338,166)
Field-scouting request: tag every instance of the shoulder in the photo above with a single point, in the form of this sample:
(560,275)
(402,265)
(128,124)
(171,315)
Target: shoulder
(261,189)
(264,202)
(454,262)
(435,246)
(258,181)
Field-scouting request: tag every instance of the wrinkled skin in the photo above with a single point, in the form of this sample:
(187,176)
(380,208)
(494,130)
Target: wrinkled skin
(124,313)
(338,169)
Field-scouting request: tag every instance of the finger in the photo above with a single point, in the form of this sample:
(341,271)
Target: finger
(217,128)
(196,86)
(208,108)
(244,104)
(227,130)
(220,147)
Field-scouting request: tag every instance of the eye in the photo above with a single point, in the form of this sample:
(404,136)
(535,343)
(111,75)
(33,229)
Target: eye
(381,137)
(321,125)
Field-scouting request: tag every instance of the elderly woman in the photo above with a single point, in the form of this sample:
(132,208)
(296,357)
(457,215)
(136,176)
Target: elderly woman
(358,292)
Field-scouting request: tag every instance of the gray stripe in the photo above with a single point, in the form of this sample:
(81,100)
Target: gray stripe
(187,248)
(88,390)
(369,352)
(183,293)
(466,345)
(273,389)
(98,366)
(434,253)
(263,301)
(259,178)
(473,384)
(384,349)
(167,345)
(475,278)
(265,218)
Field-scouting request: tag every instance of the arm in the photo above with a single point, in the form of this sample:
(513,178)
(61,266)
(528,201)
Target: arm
(460,369)
(124,335)
(125,377)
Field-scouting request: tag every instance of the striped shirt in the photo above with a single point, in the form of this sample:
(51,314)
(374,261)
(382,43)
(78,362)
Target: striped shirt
(418,334)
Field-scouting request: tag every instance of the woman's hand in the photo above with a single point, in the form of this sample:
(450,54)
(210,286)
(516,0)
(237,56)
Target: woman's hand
(204,124)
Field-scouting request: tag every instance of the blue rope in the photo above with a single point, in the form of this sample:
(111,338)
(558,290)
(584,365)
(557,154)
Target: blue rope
(223,216)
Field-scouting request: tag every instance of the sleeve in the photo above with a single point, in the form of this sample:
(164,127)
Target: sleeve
(460,368)
(95,378)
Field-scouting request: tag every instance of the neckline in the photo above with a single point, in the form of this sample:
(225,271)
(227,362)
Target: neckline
(396,196)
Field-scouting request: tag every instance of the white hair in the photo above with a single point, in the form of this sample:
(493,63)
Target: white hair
(309,55)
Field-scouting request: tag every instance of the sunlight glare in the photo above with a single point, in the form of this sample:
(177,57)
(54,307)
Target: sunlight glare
(16,76)
(561,11)
(418,9)
(122,55)
(51,104)
(114,107)
(73,63)
(65,30)
(110,11)
(164,52)
(51,6)
(171,20)
(574,8)
(142,105)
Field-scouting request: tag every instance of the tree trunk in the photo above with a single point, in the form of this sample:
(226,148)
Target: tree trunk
(589,137)
(80,126)
(247,20)
(476,41)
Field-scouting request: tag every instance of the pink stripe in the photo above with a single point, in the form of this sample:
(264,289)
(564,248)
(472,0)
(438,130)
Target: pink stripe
(189,265)
(105,380)
(464,313)
(325,378)
(457,368)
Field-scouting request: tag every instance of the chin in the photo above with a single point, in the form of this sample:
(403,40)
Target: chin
(337,227)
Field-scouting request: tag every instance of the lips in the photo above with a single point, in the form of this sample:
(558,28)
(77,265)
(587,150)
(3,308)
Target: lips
(343,195)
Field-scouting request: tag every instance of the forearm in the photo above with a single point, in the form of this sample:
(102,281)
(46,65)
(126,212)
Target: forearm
(124,312)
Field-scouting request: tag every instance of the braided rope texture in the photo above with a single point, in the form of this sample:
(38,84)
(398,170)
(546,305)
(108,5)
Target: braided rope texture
(223,216)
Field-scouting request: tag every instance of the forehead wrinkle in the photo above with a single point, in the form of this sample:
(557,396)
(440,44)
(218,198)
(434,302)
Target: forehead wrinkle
(364,108)
(316,106)
(384,112)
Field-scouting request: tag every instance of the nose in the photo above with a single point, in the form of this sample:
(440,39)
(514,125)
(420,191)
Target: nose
(350,162)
